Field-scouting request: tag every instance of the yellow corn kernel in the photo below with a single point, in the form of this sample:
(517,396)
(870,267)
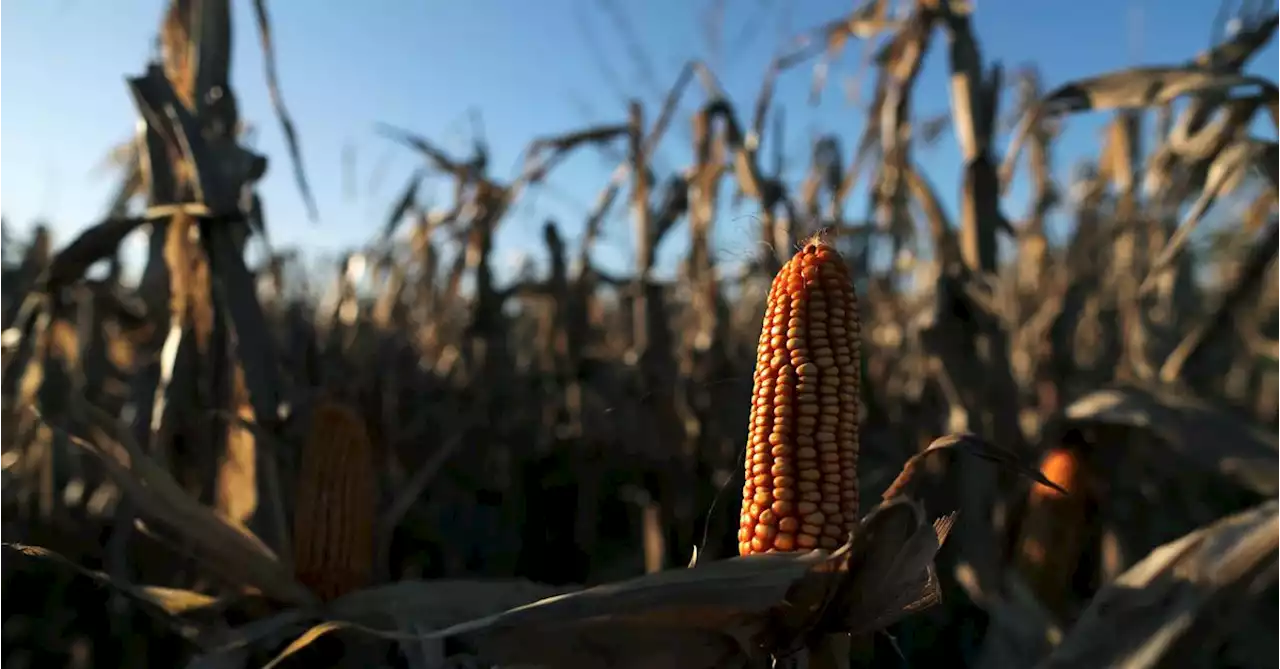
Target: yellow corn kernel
(335,504)
(801,489)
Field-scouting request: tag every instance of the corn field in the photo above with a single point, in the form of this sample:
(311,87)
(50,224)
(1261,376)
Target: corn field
(998,451)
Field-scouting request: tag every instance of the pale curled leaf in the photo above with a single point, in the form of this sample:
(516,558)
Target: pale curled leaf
(710,611)
(292,143)
(229,648)
(90,246)
(303,641)
(1206,436)
(1191,142)
(177,601)
(1142,87)
(733,587)
(1146,615)
(968,444)
(227,549)
(172,601)
(1225,175)
(707,614)
(1132,88)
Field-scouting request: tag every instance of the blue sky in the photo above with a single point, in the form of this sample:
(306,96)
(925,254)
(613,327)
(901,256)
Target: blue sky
(531,68)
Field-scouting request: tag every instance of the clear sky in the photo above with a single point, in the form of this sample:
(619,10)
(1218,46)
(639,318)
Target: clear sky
(531,68)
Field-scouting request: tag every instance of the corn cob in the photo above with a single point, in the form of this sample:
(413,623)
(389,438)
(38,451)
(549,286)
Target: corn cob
(801,489)
(1052,533)
(1062,466)
(334,512)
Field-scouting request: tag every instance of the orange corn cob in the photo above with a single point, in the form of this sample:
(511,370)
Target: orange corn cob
(1054,527)
(1062,466)
(334,514)
(801,488)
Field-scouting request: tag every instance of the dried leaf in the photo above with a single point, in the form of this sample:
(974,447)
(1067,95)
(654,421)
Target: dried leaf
(303,641)
(706,613)
(437,604)
(969,444)
(237,292)
(1226,172)
(231,647)
(1141,87)
(1246,285)
(1133,88)
(408,199)
(891,571)
(226,549)
(172,601)
(291,141)
(98,242)
(1149,615)
(1203,435)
